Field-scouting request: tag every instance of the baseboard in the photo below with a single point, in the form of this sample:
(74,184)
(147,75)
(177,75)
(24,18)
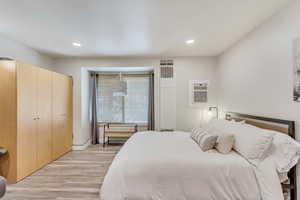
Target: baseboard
(82,147)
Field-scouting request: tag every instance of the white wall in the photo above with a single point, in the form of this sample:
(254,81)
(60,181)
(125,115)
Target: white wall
(85,108)
(197,68)
(188,68)
(256,75)
(75,68)
(15,50)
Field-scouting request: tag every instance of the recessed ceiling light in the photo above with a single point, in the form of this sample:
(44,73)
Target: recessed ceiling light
(76,44)
(190,41)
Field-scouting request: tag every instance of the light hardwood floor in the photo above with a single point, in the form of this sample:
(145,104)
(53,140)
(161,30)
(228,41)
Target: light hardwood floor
(75,176)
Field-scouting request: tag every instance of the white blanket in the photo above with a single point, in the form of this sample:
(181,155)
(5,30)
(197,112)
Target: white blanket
(171,166)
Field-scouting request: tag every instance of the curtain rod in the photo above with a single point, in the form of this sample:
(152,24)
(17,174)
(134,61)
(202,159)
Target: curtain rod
(125,73)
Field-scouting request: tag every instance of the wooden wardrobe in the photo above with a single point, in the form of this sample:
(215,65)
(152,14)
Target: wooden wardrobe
(35,118)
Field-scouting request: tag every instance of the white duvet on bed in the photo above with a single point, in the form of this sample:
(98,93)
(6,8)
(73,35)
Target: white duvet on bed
(170,166)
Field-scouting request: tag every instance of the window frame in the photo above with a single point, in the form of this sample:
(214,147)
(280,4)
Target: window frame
(123,113)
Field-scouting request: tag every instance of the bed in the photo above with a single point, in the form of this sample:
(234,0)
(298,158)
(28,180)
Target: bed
(171,166)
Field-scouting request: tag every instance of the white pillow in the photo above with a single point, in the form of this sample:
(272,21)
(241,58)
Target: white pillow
(225,143)
(217,124)
(285,152)
(250,141)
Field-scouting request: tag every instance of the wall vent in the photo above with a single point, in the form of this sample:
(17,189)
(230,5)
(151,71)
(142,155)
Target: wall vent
(166,69)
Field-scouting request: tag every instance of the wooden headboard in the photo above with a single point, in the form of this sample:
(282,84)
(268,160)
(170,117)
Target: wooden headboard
(279,125)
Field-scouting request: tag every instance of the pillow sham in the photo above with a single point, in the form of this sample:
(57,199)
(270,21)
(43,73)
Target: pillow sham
(285,152)
(250,141)
(225,143)
(216,125)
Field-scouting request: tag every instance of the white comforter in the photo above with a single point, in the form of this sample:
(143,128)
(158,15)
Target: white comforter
(171,166)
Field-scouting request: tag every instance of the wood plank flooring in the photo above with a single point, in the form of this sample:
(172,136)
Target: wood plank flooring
(77,175)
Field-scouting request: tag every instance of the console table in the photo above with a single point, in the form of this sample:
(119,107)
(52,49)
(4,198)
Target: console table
(118,130)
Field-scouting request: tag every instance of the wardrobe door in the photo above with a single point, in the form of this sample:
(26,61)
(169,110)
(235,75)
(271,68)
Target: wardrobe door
(27,119)
(69,114)
(8,120)
(59,115)
(44,106)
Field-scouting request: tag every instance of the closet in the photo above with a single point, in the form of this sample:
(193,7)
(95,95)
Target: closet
(35,118)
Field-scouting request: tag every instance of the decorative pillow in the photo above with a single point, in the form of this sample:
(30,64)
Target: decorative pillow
(197,134)
(225,143)
(205,140)
(285,151)
(196,131)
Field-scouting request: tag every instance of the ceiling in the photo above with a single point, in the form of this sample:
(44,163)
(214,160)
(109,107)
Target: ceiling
(132,27)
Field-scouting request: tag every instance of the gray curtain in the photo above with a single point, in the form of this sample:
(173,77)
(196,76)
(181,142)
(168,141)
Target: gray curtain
(94,129)
(151,125)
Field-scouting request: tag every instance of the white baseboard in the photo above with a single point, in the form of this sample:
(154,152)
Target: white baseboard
(82,147)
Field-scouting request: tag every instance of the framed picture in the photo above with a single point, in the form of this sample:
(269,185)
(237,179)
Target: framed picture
(296,60)
(198,92)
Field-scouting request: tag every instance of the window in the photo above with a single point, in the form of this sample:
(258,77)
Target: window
(131,108)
